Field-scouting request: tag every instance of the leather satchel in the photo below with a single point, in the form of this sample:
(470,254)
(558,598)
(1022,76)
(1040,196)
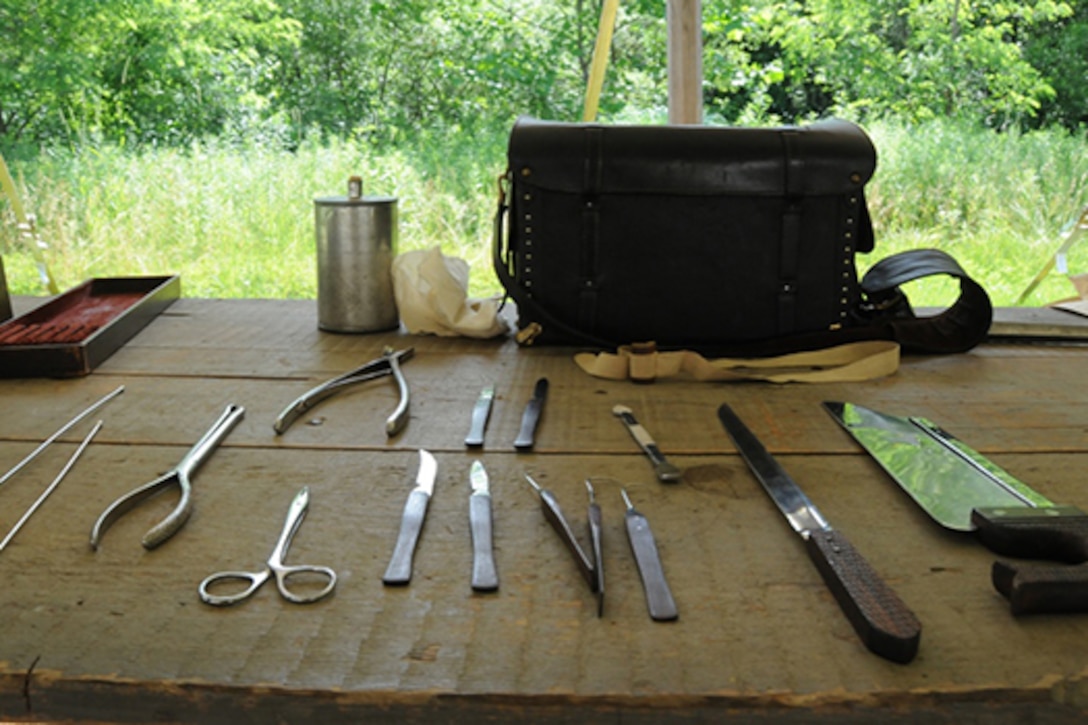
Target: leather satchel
(724,240)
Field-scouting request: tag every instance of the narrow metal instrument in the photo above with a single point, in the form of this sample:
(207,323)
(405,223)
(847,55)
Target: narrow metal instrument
(593,516)
(882,621)
(61,431)
(658,595)
(274,567)
(665,471)
(531,417)
(399,571)
(484,576)
(180,475)
(591,568)
(481,411)
(964,491)
(51,487)
(387,364)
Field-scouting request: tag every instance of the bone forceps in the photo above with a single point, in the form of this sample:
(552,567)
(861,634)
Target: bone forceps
(180,475)
(274,567)
(387,364)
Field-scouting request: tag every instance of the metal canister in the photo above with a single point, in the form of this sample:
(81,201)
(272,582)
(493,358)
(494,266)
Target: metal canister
(356,242)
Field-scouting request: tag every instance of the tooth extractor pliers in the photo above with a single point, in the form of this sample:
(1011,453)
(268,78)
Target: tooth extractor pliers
(387,364)
(180,475)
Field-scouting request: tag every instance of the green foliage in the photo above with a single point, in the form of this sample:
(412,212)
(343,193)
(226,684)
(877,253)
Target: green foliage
(147,70)
(912,59)
(170,71)
(236,220)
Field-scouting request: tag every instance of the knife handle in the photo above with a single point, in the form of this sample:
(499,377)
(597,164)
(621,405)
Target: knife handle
(1042,588)
(883,622)
(1057,533)
(481,411)
(484,576)
(529,419)
(399,571)
(658,595)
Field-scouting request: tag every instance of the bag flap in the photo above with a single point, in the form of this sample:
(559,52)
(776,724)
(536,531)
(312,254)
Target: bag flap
(827,157)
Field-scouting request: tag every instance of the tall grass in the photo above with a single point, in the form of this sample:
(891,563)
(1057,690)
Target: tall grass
(237,220)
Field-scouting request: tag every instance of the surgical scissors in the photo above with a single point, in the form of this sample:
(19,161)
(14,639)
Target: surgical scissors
(274,566)
(387,364)
(180,475)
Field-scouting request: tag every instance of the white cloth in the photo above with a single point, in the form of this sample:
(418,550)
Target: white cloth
(432,297)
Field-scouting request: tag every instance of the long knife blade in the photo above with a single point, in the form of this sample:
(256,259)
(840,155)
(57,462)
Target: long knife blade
(531,417)
(481,411)
(484,576)
(962,490)
(881,619)
(399,571)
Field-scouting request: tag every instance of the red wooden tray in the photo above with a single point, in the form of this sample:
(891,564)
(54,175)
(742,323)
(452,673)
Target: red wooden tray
(74,333)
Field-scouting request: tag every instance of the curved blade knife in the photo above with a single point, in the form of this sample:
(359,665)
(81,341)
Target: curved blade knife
(484,576)
(962,490)
(399,570)
(883,622)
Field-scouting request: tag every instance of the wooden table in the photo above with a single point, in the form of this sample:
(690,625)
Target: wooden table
(121,635)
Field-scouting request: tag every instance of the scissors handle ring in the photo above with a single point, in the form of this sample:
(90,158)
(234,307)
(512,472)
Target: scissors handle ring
(255,579)
(284,574)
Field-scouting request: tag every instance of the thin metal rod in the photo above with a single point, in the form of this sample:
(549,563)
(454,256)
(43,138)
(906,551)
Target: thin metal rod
(64,429)
(56,482)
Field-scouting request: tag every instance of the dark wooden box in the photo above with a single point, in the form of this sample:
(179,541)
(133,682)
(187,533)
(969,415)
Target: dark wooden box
(77,331)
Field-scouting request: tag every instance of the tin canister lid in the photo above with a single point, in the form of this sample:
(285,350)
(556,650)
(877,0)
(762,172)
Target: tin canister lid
(354,197)
(350,201)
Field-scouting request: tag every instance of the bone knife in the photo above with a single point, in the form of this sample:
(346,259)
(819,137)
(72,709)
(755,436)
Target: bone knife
(399,570)
(665,471)
(480,413)
(484,576)
(531,417)
(882,621)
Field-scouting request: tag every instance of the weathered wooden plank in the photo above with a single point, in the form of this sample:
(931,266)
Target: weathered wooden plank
(120,634)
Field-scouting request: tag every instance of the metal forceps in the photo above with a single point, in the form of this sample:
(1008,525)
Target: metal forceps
(274,566)
(387,364)
(591,564)
(179,474)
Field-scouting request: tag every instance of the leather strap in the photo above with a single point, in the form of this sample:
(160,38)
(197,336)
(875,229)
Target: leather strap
(843,363)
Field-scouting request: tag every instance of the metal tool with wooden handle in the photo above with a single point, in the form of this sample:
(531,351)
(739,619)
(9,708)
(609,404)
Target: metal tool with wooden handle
(883,622)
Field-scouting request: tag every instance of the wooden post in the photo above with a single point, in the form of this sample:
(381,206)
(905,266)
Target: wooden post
(684,19)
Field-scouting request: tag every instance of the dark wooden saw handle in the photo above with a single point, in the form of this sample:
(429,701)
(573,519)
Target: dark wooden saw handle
(884,623)
(1057,533)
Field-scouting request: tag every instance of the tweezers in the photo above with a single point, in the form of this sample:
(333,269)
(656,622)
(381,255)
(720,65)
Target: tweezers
(387,364)
(179,474)
(592,564)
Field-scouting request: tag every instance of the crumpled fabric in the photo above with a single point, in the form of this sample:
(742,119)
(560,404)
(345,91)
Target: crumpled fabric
(432,297)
